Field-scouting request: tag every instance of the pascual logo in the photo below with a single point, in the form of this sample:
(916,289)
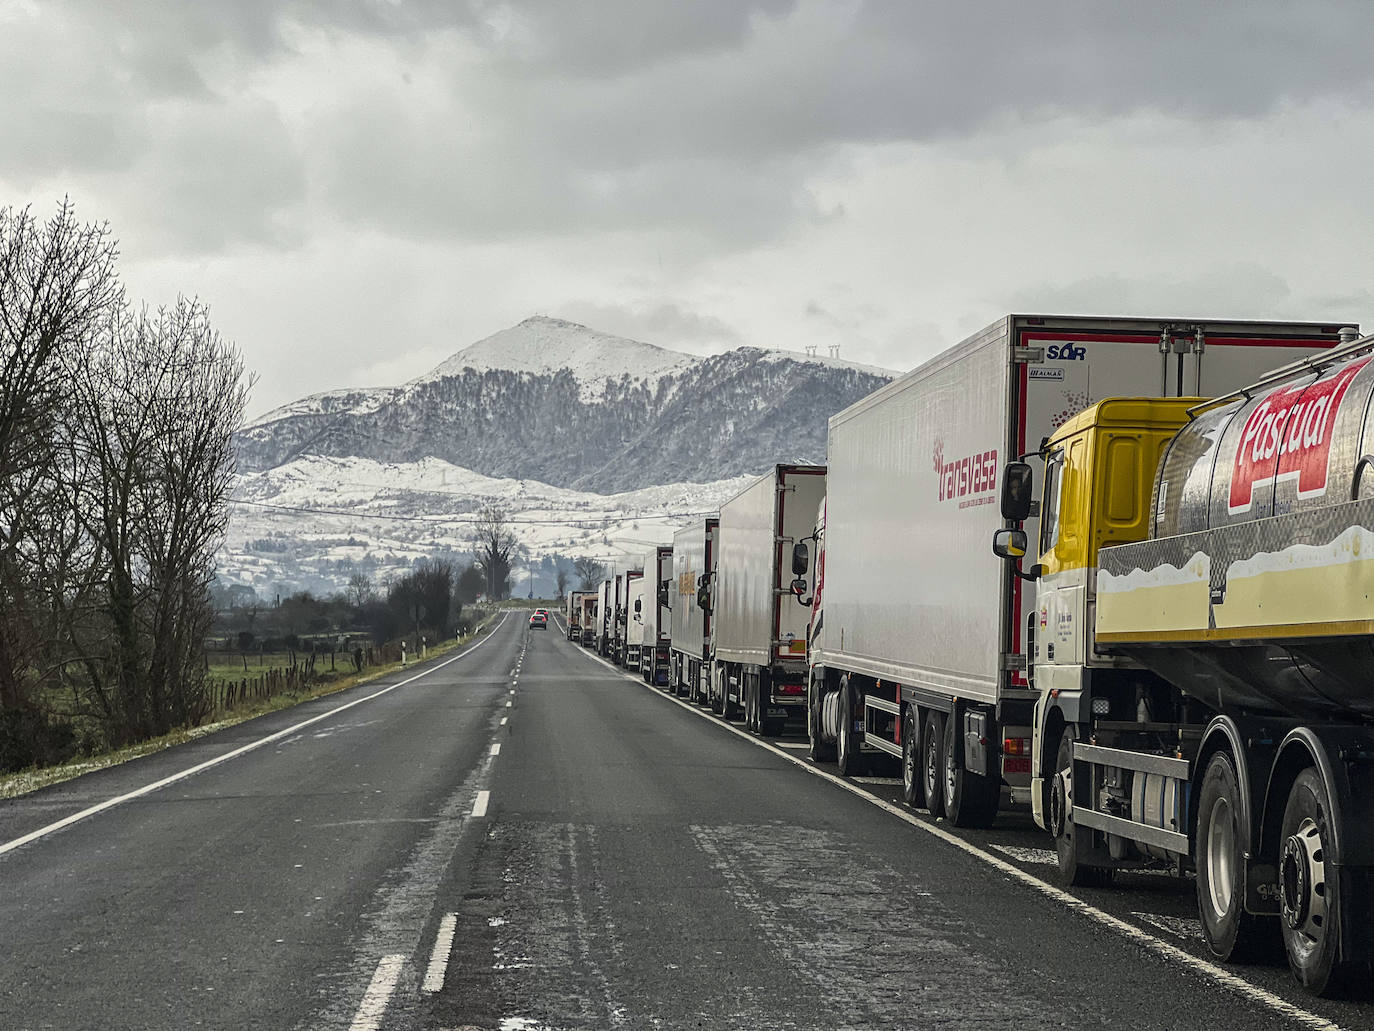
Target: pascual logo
(1288,436)
(1066,352)
(970,475)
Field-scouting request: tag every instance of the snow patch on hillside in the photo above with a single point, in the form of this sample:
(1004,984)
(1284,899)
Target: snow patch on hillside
(313,522)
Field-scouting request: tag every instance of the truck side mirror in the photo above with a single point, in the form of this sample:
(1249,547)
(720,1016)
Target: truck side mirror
(801,559)
(663,601)
(1009,544)
(704,597)
(1018,480)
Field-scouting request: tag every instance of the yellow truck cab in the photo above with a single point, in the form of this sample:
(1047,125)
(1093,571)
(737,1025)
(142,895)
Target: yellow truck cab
(1099,475)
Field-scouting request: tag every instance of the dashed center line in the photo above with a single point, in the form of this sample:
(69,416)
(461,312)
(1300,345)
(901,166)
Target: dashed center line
(504,720)
(479,807)
(496,748)
(438,959)
(378,994)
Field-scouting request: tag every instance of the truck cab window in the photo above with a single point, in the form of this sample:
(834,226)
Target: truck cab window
(1049,515)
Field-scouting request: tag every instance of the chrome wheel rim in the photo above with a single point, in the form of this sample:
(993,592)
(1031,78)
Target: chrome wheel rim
(1221,845)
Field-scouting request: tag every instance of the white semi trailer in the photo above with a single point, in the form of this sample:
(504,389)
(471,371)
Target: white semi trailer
(634,624)
(918,643)
(655,615)
(758,643)
(689,596)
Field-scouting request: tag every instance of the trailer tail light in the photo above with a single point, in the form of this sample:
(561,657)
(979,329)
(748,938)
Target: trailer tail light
(790,689)
(797,647)
(1016,746)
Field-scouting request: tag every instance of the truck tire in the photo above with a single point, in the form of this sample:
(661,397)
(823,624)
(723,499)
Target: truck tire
(822,751)
(716,689)
(913,785)
(933,762)
(1310,888)
(970,798)
(846,747)
(1072,873)
(1230,932)
(729,710)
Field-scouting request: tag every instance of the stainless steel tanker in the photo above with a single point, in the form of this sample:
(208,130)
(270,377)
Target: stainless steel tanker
(1203,653)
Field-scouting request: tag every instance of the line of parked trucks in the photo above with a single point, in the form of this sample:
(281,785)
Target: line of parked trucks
(1173,662)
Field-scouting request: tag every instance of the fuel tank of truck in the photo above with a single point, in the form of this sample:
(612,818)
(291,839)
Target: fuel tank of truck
(1256,589)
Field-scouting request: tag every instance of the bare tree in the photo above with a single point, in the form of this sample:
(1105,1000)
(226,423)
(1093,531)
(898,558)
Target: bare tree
(159,403)
(496,547)
(360,590)
(590,572)
(560,580)
(57,286)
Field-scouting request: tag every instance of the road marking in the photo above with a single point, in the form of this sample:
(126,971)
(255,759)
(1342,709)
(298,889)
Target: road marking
(1182,926)
(508,705)
(496,748)
(378,994)
(1164,950)
(504,719)
(110,803)
(438,959)
(479,808)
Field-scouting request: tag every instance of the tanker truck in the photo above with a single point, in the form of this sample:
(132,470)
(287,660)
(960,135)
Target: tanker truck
(1202,652)
(918,640)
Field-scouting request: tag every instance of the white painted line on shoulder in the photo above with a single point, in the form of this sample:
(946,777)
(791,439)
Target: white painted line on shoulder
(129,796)
(378,994)
(438,959)
(1160,948)
(496,748)
(479,807)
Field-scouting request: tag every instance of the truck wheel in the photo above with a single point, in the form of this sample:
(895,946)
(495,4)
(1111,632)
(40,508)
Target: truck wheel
(933,762)
(1071,871)
(1231,933)
(1310,888)
(728,709)
(822,751)
(846,748)
(913,784)
(716,687)
(750,712)
(970,798)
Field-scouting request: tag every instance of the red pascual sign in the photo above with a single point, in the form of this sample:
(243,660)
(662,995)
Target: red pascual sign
(1294,425)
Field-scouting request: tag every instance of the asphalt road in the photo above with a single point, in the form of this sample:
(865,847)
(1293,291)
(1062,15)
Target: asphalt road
(521,837)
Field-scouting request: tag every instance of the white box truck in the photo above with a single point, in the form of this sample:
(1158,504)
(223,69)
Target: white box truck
(605,610)
(758,643)
(694,563)
(918,638)
(655,615)
(581,605)
(634,624)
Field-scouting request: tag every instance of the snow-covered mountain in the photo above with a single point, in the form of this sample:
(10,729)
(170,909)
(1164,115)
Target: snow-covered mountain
(563,404)
(594,445)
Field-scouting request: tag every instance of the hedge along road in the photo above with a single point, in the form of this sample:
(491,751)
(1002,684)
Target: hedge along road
(252,877)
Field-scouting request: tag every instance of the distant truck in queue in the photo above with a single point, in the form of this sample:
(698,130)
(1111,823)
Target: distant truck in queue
(689,597)
(634,624)
(580,604)
(1202,660)
(655,616)
(619,645)
(918,643)
(757,645)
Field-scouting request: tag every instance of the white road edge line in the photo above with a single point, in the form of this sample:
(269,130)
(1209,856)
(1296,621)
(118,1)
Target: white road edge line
(110,803)
(438,959)
(479,807)
(378,994)
(1216,974)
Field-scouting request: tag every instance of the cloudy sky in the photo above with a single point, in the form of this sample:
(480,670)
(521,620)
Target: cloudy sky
(358,188)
